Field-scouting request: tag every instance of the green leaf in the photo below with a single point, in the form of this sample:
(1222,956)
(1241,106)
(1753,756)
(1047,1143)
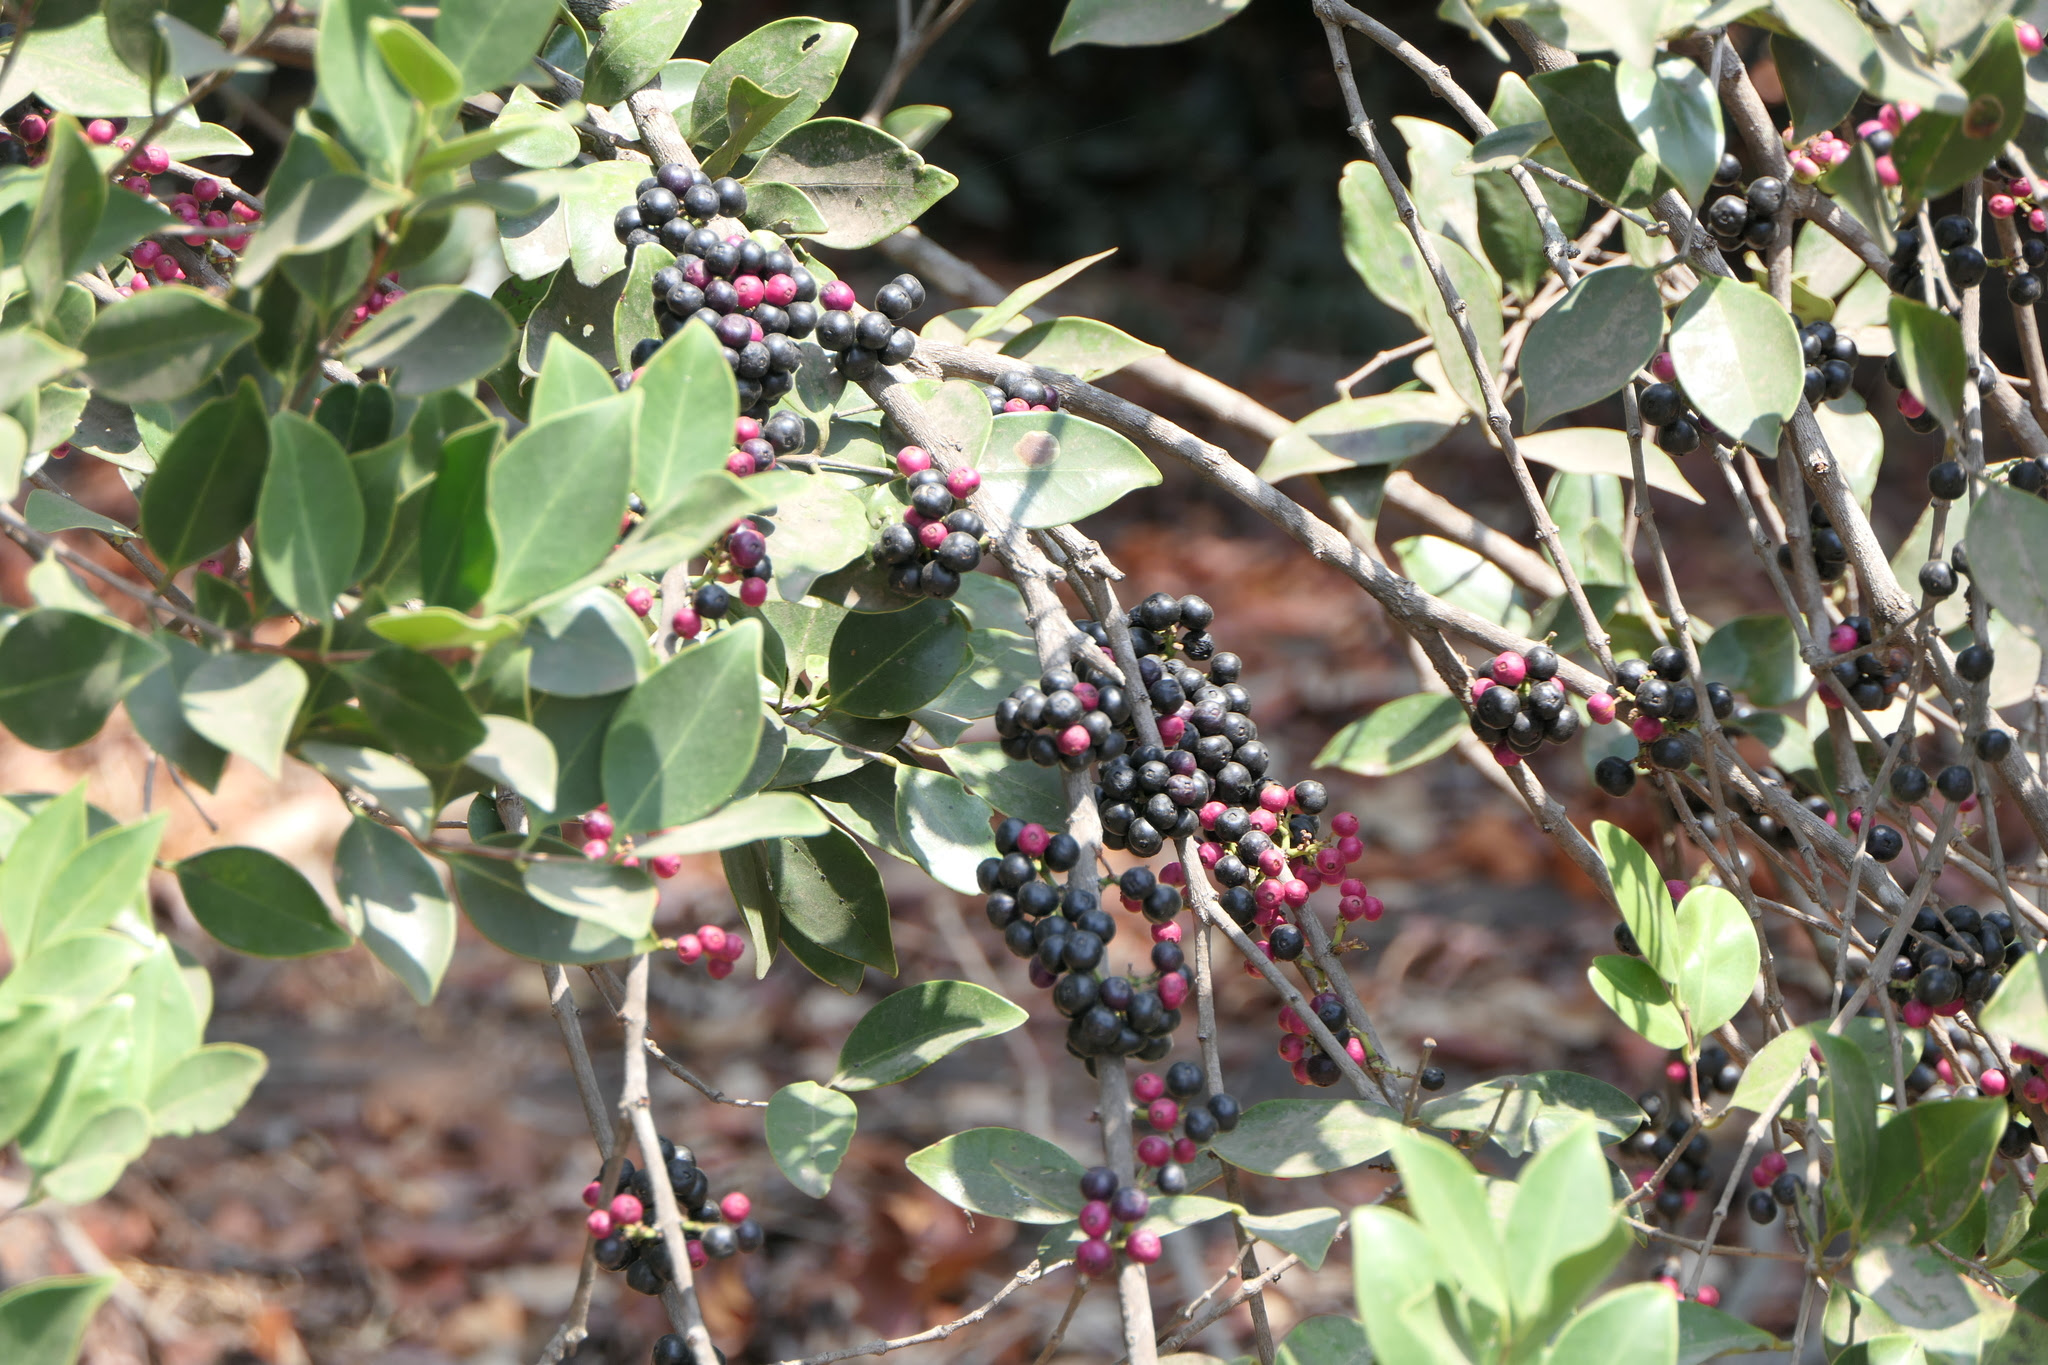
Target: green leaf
(609,895)
(1738,357)
(1585,111)
(398,788)
(439,337)
(749,110)
(1757,655)
(943,826)
(685,737)
(1396,1274)
(1396,737)
(822,527)
(161,345)
(108,875)
(1642,897)
(1930,1162)
(1024,790)
(31,360)
(808,1129)
(1676,118)
(1929,345)
(458,553)
(208,481)
(44,1320)
(637,39)
(552,530)
(1704,1333)
(1504,148)
(415,704)
(394,892)
(1602,450)
(1306,1233)
(865,183)
(309,518)
(1476,286)
(357,88)
(2008,549)
(245,704)
(906,1032)
(1637,1322)
(916,124)
(1381,430)
(74,195)
(828,890)
(158,713)
(1633,991)
(61,673)
(80,972)
(493,893)
(1941,152)
(688,406)
(74,66)
(432,628)
(1044,469)
(1446,1197)
(31,1046)
(257,903)
(1851,1104)
(1716,957)
(1562,1230)
(35,851)
(53,512)
(1082,347)
(2018,1013)
(891,665)
(1020,299)
(783,209)
(1002,1173)
(1819,95)
(798,55)
(1139,23)
(1592,341)
(1462,577)
(491,41)
(771,815)
(637,317)
(1296,1138)
(320,214)
(420,67)
(536,136)
(1533,1112)
(516,755)
(588,645)
(1776,1060)
(206,1089)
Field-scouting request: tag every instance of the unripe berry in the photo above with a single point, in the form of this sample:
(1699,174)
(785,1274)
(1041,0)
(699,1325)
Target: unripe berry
(100,132)
(962,481)
(641,600)
(1162,1114)
(912,460)
(666,865)
(754,591)
(1508,669)
(1147,1086)
(1093,1257)
(735,1207)
(713,938)
(1095,1219)
(597,824)
(626,1209)
(599,1222)
(593,1194)
(1142,1247)
(1154,1151)
(595,848)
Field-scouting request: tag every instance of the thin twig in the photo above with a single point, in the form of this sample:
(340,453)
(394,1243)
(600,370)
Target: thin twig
(1030,1274)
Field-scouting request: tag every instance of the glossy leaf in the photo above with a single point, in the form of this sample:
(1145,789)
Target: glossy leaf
(1381,430)
(458,551)
(432,628)
(610,895)
(1377,245)
(257,903)
(53,512)
(1296,1138)
(158,713)
(823,527)
(1397,736)
(108,875)
(2018,1013)
(1704,1333)
(419,66)
(704,510)
(1716,957)
(798,55)
(2009,554)
(32,360)
(551,529)
(1738,357)
(434,338)
(1676,119)
(1592,341)
(906,1032)
(1306,1233)
(1505,147)
(1026,791)
(808,1129)
(161,345)
(206,1089)
(1476,286)
(1819,95)
(1049,468)
(1585,112)
(685,737)
(44,1320)
(1019,300)
(1930,1162)
(207,482)
(1941,153)
(1636,1322)
(415,704)
(865,183)
(519,757)
(393,890)
(1002,1173)
(245,704)
(62,672)
(943,825)
(1082,347)
(399,789)
(374,113)
(318,215)
(893,664)
(1530,1113)
(770,815)
(637,39)
(1139,23)
(1602,450)
(828,890)
(1929,346)
(1638,998)
(74,195)
(1396,1272)
(491,41)
(492,892)
(1562,1234)
(309,517)
(587,646)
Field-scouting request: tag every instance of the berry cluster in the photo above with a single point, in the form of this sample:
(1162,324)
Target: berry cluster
(1518,705)
(939,538)
(1073,722)
(1868,677)
(1299,1047)
(1815,156)
(1662,710)
(1066,933)
(862,345)
(22,130)
(2029,476)
(1664,406)
(718,949)
(741,557)
(1168,1103)
(624,1228)
(1017,391)
(1690,1173)
(1881,135)
(1830,361)
(1955,236)
(756,443)
(1949,959)
(1830,552)
(1748,219)
(672,203)
(757,300)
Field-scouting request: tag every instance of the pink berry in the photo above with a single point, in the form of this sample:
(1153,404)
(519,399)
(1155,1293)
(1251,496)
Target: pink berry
(913,460)
(32,128)
(1600,707)
(1804,168)
(1209,812)
(754,591)
(1185,1150)
(750,290)
(718,968)
(1095,1219)
(626,1208)
(593,1194)
(1168,932)
(1709,1297)
(2001,205)
(712,937)
(1292,1048)
(1162,1114)
(1274,797)
(779,290)
(2022,188)
(1508,669)
(167,268)
(1142,1247)
(1330,863)
(1087,694)
(1662,366)
(735,1207)
(1032,840)
(1016,405)
(1355,1050)
(735,948)
(1155,1150)
(1676,889)
(1171,729)
(1210,853)
(1093,1257)
(1506,757)
(1351,908)
(739,464)
(1646,728)
(962,481)
(1350,848)
(595,848)
(2029,37)
(2035,1091)
(1173,987)
(1843,639)
(1295,893)
(1174,874)
(2038,220)
(1147,1086)
(1272,862)
(699,1257)
(754,332)
(1300,1070)
(146,252)
(597,824)
(933,534)
(1951,1009)
(1675,1072)
(599,1222)
(836,296)
(1374,908)
(100,132)
(1887,173)
(1761,1177)
(666,865)
(745,429)
(1916,1013)
(1909,406)
(641,600)
(1775,1163)
(686,623)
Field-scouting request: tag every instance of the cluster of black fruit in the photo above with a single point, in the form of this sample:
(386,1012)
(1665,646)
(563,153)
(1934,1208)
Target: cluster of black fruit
(1910,782)
(1658,690)
(645,1259)
(1066,933)
(1868,677)
(940,539)
(2029,476)
(1169,1104)
(1830,553)
(1523,707)
(1691,1170)
(1955,237)
(1830,361)
(1951,955)
(758,301)
(862,345)
(1663,405)
(673,201)
(1066,720)
(2024,287)
(1312,1062)
(1019,391)
(1748,219)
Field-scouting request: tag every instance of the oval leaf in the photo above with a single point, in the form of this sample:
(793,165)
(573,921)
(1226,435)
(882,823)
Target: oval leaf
(1592,342)
(1739,360)
(393,890)
(1044,469)
(1382,430)
(1002,1173)
(684,738)
(890,665)
(61,673)
(309,517)
(913,1028)
(257,903)
(206,1089)
(1296,1138)
(1397,736)
(809,1128)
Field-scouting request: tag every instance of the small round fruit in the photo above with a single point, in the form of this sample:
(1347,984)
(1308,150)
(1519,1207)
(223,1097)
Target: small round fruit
(1947,480)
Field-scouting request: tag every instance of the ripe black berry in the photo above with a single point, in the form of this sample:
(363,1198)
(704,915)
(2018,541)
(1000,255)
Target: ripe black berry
(1183,1079)
(1286,942)
(1937,578)
(1953,230)
(1974,663)
(1225,1110)
(1947,480)
(1432,1078)
(2024,290)
(1909,783)
(1762,1208)
(1955,783)
(1994,745)
(1615,775)
(1966,267)
(1884,843)
(1680,436)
